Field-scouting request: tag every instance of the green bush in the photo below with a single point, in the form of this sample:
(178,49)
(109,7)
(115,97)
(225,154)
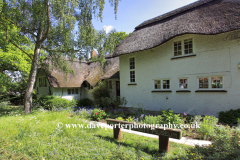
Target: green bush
(99,92)
(229,117)
(85,102)
(43,99)
(50,102)
(168,116)
(207,126)
(223,147)
(113,102)
(98,114)
(153,119)
(120,119)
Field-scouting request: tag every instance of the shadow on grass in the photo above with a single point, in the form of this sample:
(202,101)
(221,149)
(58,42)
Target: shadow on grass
(136,145)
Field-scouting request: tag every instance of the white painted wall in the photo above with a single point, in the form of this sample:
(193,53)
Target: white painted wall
(214,56)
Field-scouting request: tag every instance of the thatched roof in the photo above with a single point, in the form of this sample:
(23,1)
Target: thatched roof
(91,72)
(202,17)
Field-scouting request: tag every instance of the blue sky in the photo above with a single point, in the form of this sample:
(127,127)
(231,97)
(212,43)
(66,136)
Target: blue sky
(133,12)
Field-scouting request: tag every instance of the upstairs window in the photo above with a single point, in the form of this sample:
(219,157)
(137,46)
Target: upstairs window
(184,47)
(132,69)
(43,82)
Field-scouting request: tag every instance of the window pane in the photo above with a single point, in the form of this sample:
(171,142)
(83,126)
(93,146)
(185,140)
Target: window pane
(182,83)
(69,91)
(72,91)
(177,48)
(132,63)
(188,48)
(76,91)
(110,84)
(203,82)
(166,84)
(217,82)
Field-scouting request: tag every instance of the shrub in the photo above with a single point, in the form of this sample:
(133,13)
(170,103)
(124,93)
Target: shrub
(120,119)
(113,102)
(129,119)
(60,103)
(153,119)
(98,114)
(168,116)
(206,129)
(229,117)
(85,102)
(99,92)
(42,100)
(223,147)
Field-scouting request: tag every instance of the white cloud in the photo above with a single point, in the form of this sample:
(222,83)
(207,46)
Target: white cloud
(107,28)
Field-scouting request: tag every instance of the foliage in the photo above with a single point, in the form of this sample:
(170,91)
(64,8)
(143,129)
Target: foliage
(50,102)
(85,102)
(98,114)
(113,102)
(223,147)
(168,116)
(84,113)
(120,119)
(129,119)
(207,126)
(99,92)
(229,117)
(50,26)
(153,119)
(60,103)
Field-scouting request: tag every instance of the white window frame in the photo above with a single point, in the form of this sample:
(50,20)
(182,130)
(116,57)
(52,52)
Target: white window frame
(130,70)
(161,84)
(210,82)
(179,83)
(183,47)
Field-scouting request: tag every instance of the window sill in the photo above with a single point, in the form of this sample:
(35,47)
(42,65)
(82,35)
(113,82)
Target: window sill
(161,91)
(177,57)
(132,84)
(211,90)
(183,91)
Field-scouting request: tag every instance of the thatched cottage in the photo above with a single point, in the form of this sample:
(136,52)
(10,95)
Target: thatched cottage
(87,75)
(187,60)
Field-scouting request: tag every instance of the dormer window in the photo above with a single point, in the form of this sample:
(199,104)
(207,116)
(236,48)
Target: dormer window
(184,47)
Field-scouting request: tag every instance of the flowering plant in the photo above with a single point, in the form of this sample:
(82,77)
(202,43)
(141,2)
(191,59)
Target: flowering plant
(98,114)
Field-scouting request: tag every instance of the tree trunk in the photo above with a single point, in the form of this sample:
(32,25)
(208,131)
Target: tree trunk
(31,81)
(32,76)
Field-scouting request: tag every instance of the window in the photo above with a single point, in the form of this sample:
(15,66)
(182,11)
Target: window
(162,84)
(89,86)
(110,84)
(69,91)
(157,84)
(43,82)
(132,69)
(210,82)
(76,91)
(72,91)
(183,47)
(183,84)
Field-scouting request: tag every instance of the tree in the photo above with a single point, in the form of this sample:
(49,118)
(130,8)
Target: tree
(49,25)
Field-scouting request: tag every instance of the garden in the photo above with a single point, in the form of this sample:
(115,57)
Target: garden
(40,136)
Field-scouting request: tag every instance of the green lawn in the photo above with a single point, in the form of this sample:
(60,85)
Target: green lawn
(36,136)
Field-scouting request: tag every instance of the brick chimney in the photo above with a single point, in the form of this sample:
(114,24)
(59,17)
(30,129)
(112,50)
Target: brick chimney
(94,54)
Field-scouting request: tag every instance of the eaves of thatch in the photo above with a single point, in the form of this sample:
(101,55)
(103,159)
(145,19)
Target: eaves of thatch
(91,72)
(207,17)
